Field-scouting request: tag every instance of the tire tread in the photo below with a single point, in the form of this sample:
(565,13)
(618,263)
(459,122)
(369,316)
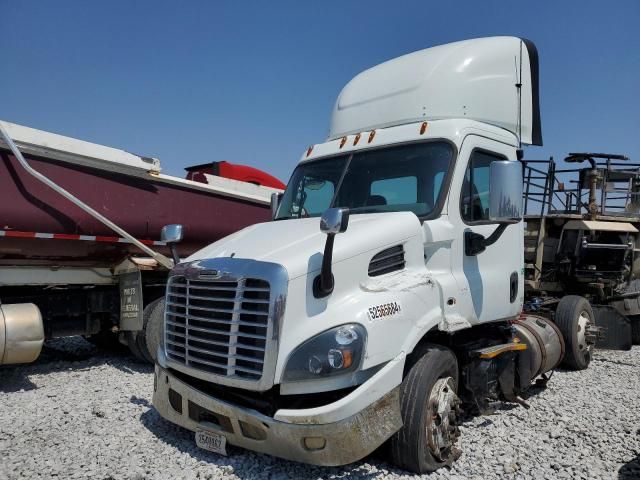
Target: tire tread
(407,445)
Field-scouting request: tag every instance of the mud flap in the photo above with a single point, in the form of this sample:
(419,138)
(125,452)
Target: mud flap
(131,305)
(615,328)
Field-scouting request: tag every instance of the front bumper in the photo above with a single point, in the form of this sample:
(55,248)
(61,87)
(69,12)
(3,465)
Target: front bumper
(309,441)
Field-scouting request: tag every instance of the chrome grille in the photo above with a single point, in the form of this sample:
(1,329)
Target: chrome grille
(218,326)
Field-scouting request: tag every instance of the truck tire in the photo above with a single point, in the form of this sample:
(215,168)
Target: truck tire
(430,408)
(573,316)
(133,344)
(154,328)
(149,322)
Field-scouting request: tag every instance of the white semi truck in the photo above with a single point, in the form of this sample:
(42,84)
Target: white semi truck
(389,287)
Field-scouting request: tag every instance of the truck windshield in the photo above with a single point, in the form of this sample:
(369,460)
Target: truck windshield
(402,178)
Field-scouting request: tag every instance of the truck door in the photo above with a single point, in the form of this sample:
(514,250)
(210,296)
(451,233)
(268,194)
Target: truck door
(491,282)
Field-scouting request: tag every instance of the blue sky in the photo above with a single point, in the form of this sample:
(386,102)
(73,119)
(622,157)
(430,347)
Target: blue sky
(254,82)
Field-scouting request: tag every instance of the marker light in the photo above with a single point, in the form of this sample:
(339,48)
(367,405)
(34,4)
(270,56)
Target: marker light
(309,150)
(423,128)
(343,141)
(371,135)
(356,140)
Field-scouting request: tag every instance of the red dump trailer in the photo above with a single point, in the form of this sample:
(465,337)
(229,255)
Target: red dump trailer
(81,251)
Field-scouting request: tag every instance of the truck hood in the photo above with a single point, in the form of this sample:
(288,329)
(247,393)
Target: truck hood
(298,244)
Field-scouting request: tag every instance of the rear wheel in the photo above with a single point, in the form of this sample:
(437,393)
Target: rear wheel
(574,317)
(430,410)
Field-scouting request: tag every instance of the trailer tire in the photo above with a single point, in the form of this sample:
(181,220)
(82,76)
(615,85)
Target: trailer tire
(573,315)
(133,344)
(141,337)
(154,327)
(431,383)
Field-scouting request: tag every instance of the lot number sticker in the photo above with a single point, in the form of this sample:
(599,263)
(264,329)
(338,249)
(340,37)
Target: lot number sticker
(385,310)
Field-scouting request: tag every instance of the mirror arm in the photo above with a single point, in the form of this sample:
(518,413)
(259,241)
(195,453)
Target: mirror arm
(276,198)
(172,234)
(323,283)
(174,253)
(496,234)
(475,243)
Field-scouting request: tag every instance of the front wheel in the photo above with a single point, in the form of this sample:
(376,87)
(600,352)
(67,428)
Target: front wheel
(430,409)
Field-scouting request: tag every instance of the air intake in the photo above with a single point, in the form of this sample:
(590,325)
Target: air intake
(387,261)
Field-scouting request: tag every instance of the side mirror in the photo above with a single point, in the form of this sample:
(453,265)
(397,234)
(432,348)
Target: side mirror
(276,198)
(505,192)
(334,220)
(172,234)
(505,204)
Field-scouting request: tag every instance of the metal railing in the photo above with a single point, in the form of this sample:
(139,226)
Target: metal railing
(552,190)
(600,188)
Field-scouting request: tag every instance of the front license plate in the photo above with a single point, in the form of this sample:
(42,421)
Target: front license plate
(212,442)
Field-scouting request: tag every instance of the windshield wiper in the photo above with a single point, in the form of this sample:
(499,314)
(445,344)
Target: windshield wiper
(344,173)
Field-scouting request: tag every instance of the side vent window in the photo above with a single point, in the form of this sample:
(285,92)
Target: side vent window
(387,261)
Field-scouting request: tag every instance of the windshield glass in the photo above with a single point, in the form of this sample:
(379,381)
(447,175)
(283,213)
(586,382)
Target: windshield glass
(392,179)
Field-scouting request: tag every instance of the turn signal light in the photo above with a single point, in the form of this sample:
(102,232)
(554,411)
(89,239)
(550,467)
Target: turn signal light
(347,358)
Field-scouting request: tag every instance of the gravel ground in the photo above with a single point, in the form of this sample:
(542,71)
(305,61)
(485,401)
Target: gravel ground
(79,413)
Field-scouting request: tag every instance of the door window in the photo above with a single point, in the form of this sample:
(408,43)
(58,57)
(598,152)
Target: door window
(474,201)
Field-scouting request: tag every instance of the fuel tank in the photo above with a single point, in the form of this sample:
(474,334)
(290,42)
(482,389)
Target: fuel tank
(545,345)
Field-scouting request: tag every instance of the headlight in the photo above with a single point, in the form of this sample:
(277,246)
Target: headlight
(334,352)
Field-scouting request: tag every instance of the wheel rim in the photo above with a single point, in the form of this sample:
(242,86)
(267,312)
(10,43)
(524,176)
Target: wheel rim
(585,344)
(442,419)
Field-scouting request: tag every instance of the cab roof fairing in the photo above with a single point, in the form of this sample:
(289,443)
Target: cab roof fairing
(472,79)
